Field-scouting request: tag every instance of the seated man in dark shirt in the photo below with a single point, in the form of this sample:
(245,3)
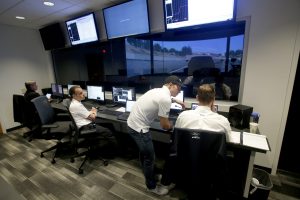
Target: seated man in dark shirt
(30,111)
(30,93)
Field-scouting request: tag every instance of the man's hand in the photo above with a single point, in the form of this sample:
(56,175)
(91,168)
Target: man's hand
(179,102)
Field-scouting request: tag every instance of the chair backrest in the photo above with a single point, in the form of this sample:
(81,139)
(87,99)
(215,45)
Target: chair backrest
(201,160)
(44,109)
(67,103)
(19,108)
(198,62)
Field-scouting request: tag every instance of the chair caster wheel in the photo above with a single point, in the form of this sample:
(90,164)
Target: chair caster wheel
(105,163)
(53,161)
(80,171)
(72,160)
(42,155)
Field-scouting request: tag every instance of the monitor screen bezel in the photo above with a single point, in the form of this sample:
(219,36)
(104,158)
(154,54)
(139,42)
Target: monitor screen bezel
(95,26)
(125,88)
(103,91)
(109,37)
(202,25)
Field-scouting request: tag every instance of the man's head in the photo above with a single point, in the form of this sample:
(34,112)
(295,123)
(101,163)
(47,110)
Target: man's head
(76,93)
(174,84)
(31,85)
(206,94)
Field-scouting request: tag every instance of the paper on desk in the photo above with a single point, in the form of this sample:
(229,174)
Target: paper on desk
(121,109)
(235,137)
(255,140)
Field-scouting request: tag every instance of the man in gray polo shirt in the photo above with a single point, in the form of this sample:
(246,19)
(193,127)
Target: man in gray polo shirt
(154,103)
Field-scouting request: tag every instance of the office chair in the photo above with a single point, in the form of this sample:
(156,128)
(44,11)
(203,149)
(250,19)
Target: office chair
(50,126)
(87,139)
(201,162)
(26,115)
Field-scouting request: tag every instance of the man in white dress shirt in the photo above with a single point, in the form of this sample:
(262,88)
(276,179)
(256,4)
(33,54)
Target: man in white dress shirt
(204,117)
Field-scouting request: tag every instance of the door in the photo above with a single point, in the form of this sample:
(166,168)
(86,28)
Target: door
(289,155)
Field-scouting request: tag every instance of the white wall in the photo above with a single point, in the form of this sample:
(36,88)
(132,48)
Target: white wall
(22,58)
(272,54)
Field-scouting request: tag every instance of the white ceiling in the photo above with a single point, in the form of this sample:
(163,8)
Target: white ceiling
(38,15)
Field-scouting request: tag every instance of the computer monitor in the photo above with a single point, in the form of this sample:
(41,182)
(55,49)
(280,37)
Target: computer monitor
(95,93)
(122,94)
(176,106)
(191,13)
(57,90)
(195,105)
(82,29)
(126,19)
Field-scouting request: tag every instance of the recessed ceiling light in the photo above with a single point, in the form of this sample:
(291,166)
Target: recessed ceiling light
(48,3)
(20,17)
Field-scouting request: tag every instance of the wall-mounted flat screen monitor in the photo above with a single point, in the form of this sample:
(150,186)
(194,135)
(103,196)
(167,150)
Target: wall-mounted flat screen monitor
(95,93)
(52,36)
(180,97)
(82,29)
(186,13)
(122,94)
(57,90)
(126,19)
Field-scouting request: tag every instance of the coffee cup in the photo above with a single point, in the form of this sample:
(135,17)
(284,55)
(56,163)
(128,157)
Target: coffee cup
(253,127)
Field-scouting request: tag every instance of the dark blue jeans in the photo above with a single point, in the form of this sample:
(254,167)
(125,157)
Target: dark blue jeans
(147,155)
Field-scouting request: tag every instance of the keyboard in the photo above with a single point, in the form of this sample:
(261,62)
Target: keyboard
(111,112)
(123,116)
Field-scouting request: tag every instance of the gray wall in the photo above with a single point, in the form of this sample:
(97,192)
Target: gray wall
(22,58)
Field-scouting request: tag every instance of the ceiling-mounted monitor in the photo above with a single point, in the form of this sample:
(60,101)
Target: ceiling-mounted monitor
(187,13)
(53,36)
(126,19)
(82,29)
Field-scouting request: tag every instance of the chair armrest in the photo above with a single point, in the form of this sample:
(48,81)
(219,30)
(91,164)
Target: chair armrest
(87,132)
(63,117)
(47,126)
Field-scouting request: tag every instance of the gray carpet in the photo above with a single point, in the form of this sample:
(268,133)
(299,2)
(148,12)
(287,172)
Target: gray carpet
(24,174)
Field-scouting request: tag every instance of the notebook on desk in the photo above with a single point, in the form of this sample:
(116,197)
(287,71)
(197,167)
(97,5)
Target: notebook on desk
(124,116)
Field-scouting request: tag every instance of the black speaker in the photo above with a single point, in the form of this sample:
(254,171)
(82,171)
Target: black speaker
(239,116)
(53,37)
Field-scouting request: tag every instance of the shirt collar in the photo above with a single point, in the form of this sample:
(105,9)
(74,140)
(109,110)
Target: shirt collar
(203,108)
(166,89)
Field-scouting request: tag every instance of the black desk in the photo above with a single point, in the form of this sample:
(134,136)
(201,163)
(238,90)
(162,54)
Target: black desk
(244,155)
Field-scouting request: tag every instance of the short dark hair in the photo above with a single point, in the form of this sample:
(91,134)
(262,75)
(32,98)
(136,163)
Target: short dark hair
(206,93)
(28,84)
(72,90)
(174,80)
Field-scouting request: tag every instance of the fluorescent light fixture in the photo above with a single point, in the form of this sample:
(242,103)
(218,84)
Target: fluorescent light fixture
(48,3)
(20,17)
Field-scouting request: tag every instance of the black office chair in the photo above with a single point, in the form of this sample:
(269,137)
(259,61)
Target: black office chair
(201,162)
(26,115)
(86,139)
(51,127)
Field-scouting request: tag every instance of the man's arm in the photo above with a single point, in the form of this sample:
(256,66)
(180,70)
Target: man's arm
(165,123)
(93,114)
(179,102)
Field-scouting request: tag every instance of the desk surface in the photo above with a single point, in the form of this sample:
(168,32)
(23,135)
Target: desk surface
(157,132)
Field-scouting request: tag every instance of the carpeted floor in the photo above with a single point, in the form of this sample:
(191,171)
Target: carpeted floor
(23,171)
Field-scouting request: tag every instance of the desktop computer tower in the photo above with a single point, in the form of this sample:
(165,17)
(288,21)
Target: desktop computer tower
(239,116)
